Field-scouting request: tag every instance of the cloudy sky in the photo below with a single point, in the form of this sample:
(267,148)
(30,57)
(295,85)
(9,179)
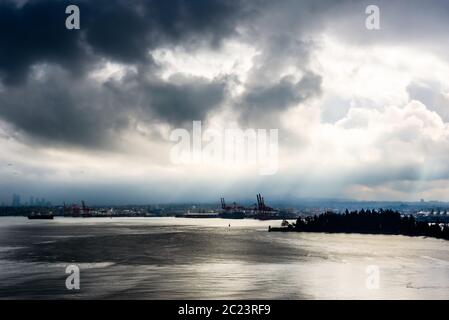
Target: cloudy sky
(87,114)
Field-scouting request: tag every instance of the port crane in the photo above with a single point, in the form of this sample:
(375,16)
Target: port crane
(259,211)
(75,210)
(264,212)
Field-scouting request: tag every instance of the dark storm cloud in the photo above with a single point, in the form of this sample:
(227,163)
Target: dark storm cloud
(36,33)
(64,106)
(284,93)
(62,110)
(188,101)
(120,30)
(267,102)
(58,109)
(125,30)
(283,56)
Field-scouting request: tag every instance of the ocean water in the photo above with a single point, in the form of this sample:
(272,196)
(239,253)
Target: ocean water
(179,258)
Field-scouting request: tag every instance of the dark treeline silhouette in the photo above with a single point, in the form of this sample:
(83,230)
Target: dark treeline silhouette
(369,221)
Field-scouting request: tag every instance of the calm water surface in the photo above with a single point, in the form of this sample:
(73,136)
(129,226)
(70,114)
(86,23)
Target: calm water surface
(178,258)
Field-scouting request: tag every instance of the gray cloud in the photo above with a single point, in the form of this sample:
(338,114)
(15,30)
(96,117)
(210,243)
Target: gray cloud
(432,95)
(66,111)
(123,31)
(273,86)
(268,102)
(67,108)
(63,111)
(190,99)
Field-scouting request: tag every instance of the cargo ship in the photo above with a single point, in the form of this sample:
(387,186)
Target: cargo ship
(40,216)
(231,212)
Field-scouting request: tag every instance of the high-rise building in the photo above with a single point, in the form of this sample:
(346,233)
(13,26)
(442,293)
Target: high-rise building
(16,200)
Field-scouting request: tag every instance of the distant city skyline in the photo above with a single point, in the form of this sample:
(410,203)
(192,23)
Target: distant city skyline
(17,201)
